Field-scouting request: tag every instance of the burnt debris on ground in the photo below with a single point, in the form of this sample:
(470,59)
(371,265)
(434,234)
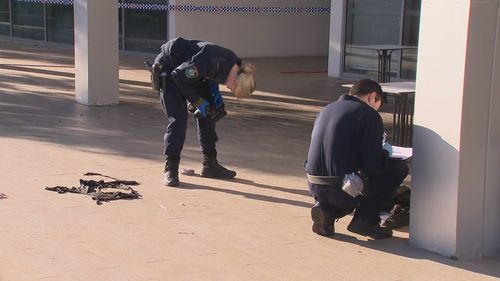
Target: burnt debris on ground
(102,191)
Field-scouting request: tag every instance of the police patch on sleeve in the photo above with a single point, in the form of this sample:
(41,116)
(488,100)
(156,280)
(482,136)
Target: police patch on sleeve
(191,72)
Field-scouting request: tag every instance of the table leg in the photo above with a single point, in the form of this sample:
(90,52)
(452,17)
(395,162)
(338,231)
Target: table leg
(404,118)
(394,124)
(381,67)
(387,68)
(396,120)
(399,112)
(384,65)
(411,105)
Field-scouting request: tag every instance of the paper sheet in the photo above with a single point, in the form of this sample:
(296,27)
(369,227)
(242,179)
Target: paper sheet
(402,153)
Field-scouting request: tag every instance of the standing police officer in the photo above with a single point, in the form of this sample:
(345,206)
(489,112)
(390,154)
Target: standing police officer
(347,138)
(191,72)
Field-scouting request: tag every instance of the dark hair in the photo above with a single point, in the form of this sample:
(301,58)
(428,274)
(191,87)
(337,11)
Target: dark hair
(365,86)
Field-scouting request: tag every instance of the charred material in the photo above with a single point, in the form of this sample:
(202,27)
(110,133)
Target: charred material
(97,189)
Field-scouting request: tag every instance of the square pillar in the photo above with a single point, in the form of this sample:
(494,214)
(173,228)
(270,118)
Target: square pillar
(96,52)
(455,130)
(336,41)
(492,192)
(172,22)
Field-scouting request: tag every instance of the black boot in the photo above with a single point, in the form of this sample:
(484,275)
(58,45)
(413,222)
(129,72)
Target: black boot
(212,169)
(374,230)
(398,218)
(171,172)
(323,219)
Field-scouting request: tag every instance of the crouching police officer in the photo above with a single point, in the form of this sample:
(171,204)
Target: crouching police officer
(347,140)
(187,74)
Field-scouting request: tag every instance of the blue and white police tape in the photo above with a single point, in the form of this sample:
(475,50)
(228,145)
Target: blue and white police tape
(202,8)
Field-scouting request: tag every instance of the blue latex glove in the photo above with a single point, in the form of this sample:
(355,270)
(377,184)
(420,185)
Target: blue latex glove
(388,147)
(202,110)
(214,89)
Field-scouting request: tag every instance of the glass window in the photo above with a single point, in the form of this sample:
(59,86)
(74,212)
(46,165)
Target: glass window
(60,23)
(371,22)
(139,29)
(145,30)
(28,20)
(4,17)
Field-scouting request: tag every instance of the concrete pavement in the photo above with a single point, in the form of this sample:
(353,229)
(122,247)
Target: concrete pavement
(255,227)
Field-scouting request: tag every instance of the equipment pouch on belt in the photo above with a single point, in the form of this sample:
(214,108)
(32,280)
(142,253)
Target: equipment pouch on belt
(156,73)
(156,82)
(353,184)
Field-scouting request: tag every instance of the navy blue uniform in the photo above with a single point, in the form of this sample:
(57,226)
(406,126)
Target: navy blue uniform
(347,137)
(190,65)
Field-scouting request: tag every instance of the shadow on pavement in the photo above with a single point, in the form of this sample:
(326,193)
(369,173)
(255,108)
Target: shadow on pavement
(247,195)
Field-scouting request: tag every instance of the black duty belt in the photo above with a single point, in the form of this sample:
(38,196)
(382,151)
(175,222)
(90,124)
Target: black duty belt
(325,180)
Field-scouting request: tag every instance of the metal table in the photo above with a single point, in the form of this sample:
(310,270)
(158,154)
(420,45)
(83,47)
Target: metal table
(403,96)
(384,58)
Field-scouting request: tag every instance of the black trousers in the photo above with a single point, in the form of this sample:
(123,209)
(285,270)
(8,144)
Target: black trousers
(175,108)
(378,195)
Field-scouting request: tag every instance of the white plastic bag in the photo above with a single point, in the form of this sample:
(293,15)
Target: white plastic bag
(353,185)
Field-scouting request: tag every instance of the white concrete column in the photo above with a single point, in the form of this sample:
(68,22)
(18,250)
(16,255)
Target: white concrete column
(492,205)
(336,43)
(456,165)
(172,26)
(96,52)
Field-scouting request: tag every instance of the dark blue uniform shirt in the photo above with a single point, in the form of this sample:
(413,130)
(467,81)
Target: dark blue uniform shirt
(346,137)
(192,61)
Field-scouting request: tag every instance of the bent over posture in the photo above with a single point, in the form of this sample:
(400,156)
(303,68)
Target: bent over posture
(190,72)
(347,138)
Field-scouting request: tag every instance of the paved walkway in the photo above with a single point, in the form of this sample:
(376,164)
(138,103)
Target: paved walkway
(256,227)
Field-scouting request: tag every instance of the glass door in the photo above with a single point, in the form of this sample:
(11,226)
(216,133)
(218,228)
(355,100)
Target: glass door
(410,38)
(4,17)
(145,30)
(381,22)
(60,23)
(28,20)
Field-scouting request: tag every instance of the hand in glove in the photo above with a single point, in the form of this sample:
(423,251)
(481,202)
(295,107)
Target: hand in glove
(388,147)
(214,89)
(202,108)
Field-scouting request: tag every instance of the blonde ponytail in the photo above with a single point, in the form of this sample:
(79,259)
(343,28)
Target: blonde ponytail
(246,82)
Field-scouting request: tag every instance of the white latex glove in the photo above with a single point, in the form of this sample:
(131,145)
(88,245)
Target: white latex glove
(388,147)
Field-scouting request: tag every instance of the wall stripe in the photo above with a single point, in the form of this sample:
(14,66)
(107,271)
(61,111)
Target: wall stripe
(204,9)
